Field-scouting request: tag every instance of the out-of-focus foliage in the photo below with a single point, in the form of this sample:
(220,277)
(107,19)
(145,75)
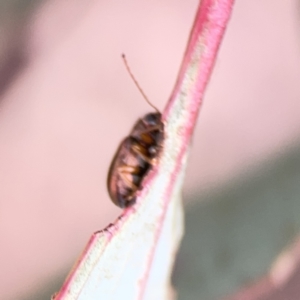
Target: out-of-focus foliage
(14,15)
(16,6)
(235,232)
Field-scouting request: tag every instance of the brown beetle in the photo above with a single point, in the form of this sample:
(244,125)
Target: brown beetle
(135,156)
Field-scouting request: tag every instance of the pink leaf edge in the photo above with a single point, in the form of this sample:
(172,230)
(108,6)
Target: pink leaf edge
(133,257)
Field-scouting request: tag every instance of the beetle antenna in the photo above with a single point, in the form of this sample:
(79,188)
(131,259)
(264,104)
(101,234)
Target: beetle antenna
(136,83)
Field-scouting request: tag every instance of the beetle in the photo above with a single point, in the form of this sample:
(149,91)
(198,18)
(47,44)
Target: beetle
(136,155)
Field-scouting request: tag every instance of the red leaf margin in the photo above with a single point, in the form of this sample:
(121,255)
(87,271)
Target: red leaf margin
(180,117)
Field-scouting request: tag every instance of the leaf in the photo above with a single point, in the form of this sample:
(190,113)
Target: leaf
(133,258)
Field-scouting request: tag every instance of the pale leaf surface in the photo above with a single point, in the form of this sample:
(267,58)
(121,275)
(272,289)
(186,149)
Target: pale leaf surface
(133,258)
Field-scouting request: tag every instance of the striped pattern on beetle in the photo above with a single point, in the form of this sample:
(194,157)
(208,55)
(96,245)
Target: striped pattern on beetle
(134,158)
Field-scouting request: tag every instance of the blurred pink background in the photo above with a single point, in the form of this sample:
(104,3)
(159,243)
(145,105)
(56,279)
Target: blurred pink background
(64,112)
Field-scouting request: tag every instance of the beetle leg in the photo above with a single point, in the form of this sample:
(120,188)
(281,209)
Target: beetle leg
(145,135)
(128,169)
(152,128)
(123,172)
(137,150)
